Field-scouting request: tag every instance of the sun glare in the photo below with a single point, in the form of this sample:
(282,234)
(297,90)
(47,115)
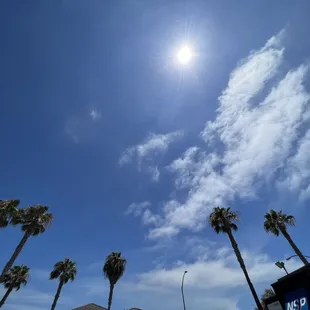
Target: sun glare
(184,54)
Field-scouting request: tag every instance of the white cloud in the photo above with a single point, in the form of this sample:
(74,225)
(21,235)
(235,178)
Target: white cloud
(31,298)
(266,141)
(94,114)
(153,145)
(137,208)
(143,209)
(297,172)
(251,137)
(214,278)
(82,126)
(144,154)
(71,130)
(154,172)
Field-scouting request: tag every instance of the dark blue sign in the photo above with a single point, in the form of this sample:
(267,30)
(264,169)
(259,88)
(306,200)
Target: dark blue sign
(297,300)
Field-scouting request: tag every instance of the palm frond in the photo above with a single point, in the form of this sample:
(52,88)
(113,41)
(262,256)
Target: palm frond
(114,267)
(289,220)
(270,227)
(35,219)
(8,211)
(17,276)
(223,219)
(64,271)
(233,226)
(277,221)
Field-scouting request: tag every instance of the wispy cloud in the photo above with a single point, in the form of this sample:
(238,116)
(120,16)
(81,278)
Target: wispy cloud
(95,115)
(220,271)
(248,143)
(137,209)
(83,125)
(297,174)
(155,144)
(143,209)
(145,153)
(72,130)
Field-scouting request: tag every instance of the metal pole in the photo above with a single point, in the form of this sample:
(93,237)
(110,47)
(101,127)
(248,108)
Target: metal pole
(285,269)
(307,256)
(182,289)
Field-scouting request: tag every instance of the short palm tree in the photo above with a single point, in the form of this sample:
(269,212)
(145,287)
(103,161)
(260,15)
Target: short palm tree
(8,211)
(16,277)
(34,221)
(113,270)
(268,292)
(276,223)
(65,271)
(223,220)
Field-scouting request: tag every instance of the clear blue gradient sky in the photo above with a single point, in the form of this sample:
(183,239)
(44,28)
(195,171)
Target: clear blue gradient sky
(131,149)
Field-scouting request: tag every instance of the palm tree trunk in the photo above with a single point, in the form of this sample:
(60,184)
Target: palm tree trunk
(6,295)
(242,265)
(57,295)
(110,296)
(294,246)
(18,249)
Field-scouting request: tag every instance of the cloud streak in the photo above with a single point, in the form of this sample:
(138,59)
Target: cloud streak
(145,153)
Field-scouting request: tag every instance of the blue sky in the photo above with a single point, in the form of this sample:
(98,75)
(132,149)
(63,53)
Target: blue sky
(131,150)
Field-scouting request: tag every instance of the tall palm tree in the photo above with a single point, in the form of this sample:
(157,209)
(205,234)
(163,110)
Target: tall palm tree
(34,221)
(113,270)
(16,277)
(223,220)
(276,223)
(8,210)
(65,271)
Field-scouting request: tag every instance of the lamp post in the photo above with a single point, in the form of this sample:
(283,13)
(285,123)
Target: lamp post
(185,272)
(281,266)
(307,256)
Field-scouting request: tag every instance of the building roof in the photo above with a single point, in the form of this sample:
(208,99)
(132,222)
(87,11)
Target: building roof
(90,307)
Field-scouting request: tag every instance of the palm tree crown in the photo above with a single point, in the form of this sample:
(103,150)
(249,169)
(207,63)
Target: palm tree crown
(114,267)
(268,292)
(34,220)
(223,219)
(13,279)
(8,210)
(64,271)
(17,276)
(276,222)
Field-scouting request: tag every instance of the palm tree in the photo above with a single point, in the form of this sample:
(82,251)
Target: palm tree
(113,270)
(34,221)
(268,292)
(276,223)
(65,271)
(223,220)
(8,210)
(16,276)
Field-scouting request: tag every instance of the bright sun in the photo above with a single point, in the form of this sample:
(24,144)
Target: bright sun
(184,54)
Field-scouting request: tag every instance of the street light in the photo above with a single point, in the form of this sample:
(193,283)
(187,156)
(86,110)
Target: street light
(307,256)
(281,266)
(185,272)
